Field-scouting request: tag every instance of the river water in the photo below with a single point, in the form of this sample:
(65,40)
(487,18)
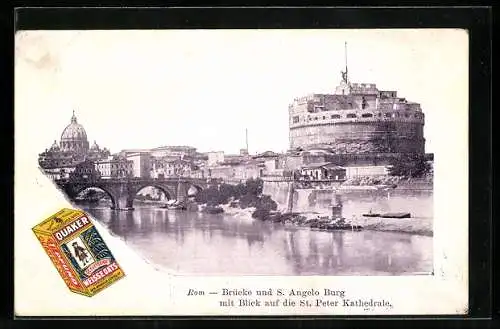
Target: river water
(224,244)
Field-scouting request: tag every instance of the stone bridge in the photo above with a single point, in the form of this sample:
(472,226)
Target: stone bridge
(123,191)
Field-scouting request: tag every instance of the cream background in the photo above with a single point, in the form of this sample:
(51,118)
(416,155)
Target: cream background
(109,77)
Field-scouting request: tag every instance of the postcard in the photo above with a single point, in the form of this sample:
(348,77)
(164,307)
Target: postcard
(244,172)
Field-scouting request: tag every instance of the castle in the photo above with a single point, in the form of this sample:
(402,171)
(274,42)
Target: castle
(357,118)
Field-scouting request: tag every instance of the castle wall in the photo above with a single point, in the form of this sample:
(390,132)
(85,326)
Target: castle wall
(357,119)
(362,136)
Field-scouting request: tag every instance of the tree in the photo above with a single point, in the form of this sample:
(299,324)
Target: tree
(254,186)
(249,194)
(409,166)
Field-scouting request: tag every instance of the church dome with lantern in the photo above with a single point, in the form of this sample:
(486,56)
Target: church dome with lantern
(74,137)
(54,147)
(73,149)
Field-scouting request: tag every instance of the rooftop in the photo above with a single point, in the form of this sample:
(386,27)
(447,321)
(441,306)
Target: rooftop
(326,165)
(266,154)
(174,147)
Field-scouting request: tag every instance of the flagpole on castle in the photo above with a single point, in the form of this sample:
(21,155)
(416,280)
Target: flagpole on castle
(345,46)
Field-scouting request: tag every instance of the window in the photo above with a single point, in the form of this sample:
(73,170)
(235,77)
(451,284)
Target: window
(351,115)
(364,103)
(366,115)
(324,117)
(315,118)
(295,119)
(335,116)
(417,116)
(388,115)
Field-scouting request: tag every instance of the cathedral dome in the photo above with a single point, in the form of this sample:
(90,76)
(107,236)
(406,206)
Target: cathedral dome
(95,147)
(74,131)
(54,147)
(74,137)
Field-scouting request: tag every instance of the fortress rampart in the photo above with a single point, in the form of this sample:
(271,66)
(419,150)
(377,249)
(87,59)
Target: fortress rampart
(358,118)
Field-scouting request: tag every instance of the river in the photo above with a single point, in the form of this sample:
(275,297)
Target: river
(223,244)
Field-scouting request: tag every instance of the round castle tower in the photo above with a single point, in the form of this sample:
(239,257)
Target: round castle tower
(358,118)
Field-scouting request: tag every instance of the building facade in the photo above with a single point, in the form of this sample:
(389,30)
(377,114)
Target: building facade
(122,168)
(364,171)
(104,168)
(237,171)
(85,171)
(141,164)
(164,168)
(115,167)
(221,171)
(59,172)
(215,158)
(249,169)
(179,152)
(323,171)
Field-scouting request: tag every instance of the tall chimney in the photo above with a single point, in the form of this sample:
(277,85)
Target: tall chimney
(246,139)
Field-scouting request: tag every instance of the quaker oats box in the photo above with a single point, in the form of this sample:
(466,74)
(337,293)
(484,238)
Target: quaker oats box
(78,251)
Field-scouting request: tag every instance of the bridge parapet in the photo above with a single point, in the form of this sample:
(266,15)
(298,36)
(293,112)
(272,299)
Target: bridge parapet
(122,191)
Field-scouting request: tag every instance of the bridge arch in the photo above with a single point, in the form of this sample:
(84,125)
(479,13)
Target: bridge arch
(122,192)
(108,192)
(169,193)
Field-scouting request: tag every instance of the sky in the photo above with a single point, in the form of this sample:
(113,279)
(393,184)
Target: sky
(203,88)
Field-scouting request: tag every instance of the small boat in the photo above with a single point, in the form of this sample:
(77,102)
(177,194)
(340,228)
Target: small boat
(371,215)
(174,205)
(177,207)
(213,210)
(396,215)
(336,227)
(348,227)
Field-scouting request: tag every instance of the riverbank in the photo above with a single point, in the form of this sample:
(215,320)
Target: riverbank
(416,225)
(251,202)
(158,202)
(419,226)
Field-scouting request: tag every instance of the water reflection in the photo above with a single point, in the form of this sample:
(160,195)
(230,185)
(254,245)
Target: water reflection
(225,245)
(418,203)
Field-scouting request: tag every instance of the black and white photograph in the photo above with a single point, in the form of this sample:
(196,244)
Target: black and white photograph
(281,166)
(236,153)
